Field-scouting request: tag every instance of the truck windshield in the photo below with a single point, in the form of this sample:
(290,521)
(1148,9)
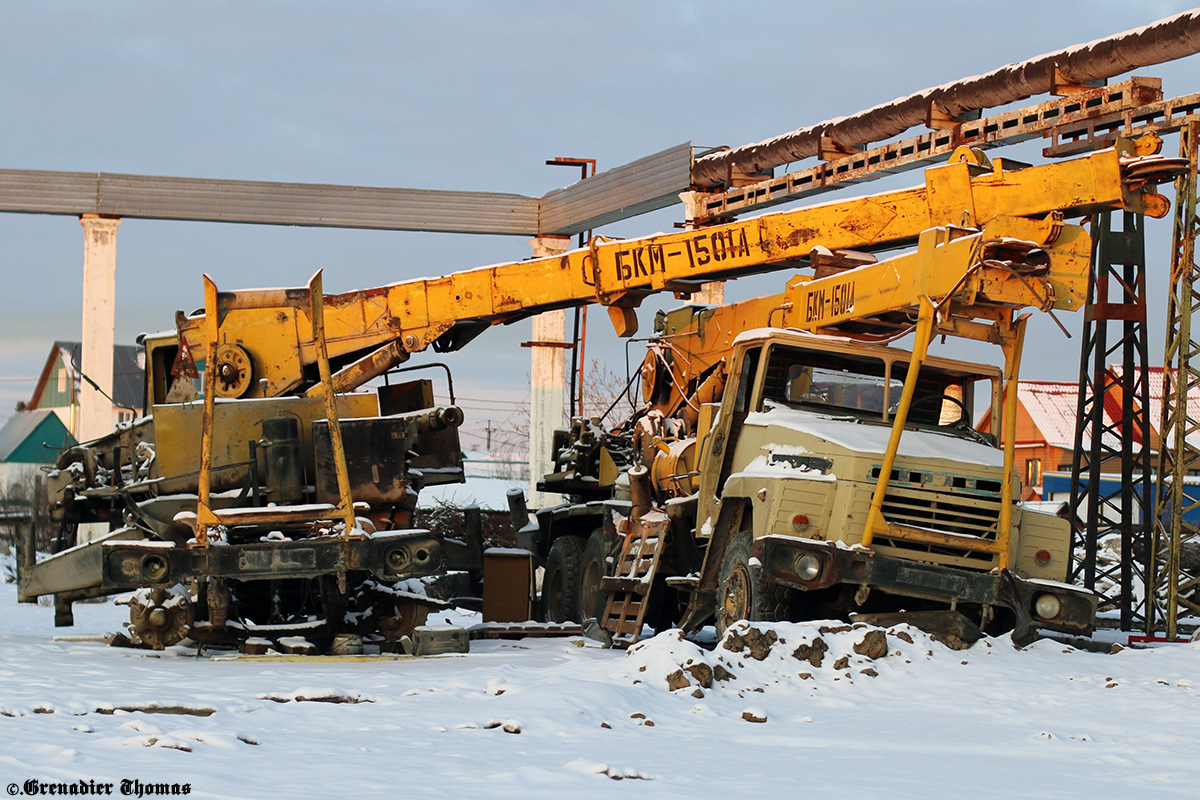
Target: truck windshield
(840,389)
(865,386)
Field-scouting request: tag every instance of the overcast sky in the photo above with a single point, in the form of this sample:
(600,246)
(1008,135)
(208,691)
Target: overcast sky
(447,95)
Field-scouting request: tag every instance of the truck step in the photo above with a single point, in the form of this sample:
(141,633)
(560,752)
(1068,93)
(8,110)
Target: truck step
(636,567)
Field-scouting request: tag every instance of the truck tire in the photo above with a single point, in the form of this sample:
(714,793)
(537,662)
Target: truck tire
(743,596)
(560,581)
(592,568)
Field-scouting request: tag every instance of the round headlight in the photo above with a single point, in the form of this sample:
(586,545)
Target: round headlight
(1047,606)
(808,567)
(126,566)
(397,559)
(155,568)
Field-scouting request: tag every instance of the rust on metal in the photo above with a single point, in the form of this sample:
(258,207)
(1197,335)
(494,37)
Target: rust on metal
(1081,123)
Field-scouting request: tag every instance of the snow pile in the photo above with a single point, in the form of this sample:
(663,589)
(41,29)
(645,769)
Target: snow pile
(317,695)
(548,718)
(760,656)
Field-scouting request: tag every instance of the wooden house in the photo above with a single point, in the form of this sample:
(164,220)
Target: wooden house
(58,385)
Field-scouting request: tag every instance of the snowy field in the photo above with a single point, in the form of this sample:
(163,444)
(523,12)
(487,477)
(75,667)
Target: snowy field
(563,718)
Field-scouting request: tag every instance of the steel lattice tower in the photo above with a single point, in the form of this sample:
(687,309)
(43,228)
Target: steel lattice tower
(1172,586)
(1114,444)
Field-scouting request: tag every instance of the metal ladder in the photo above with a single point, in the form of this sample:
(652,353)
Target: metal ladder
(636,567)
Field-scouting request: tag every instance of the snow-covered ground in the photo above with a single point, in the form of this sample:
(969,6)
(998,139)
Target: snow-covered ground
(561,718)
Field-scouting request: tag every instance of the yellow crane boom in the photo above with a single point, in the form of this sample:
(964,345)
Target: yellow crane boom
(369,331)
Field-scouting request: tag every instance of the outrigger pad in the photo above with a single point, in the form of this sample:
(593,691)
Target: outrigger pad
(948,627)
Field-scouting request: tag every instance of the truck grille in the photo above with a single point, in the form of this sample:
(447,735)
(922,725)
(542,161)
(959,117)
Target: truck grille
(962,505)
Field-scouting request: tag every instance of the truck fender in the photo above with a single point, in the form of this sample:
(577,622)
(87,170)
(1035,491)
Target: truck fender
(730,521)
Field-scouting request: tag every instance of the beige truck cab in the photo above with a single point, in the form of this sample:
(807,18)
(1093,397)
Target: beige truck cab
(788,468)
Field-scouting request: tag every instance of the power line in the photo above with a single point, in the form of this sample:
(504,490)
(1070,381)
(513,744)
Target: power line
(461,400)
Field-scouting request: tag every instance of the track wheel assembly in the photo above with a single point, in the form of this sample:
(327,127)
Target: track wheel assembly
(160,617)
(404,618)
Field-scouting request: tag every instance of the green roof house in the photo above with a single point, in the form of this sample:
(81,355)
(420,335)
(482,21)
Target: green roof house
(29,439)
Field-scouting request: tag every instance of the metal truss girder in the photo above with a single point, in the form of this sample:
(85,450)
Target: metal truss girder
(1082,122)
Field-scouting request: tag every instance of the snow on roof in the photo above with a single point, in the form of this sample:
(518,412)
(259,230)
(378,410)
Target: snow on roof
(1052,406)
(1155,386)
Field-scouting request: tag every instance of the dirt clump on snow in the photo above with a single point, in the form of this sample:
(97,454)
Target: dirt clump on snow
(873,645)
(758,641)
(754,715)
(758,656)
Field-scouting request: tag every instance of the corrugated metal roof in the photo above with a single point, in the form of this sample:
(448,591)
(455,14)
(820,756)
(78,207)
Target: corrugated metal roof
(265,202)
(1052,406)
(45,192)
(644,185)
(24,425)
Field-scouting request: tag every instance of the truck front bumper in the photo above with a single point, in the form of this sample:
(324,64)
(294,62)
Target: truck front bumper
(391,555)
(807,564)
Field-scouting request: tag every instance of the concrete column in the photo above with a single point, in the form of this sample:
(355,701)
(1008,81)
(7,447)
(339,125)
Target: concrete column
(99,319)
(547,382)
(712,293)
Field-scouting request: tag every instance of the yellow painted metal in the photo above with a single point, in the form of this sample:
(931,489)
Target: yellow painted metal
(1172,592)
(924,536)
(345,506)
(233,370)
(177,430)
(620,274)
(1013,344)
(975,297)
(369,366)
(942,268)
(311,296)
(204,514)
(875,522)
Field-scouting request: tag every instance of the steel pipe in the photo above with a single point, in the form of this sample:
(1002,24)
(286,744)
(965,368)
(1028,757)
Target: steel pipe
(1166,40)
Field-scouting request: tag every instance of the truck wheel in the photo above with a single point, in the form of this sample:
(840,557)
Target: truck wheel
(159,617)
(560,582)
(742,595)
(593,567)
